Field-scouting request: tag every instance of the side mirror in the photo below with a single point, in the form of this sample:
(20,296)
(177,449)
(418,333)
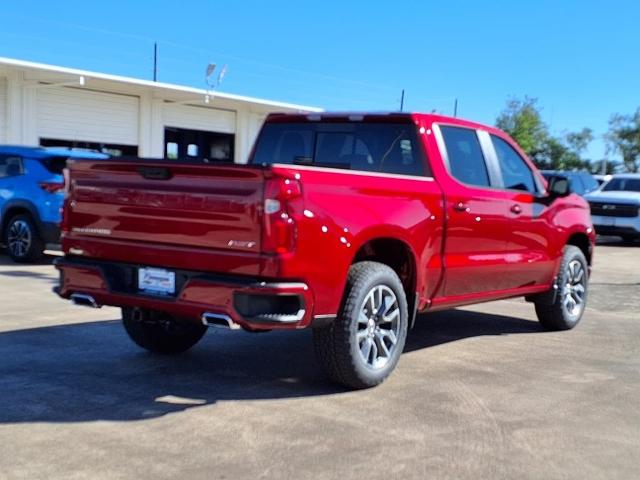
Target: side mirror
(559,187)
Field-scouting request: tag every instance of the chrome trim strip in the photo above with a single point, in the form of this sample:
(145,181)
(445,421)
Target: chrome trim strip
(277,318)
(491,159)
(281,285)
(354,172)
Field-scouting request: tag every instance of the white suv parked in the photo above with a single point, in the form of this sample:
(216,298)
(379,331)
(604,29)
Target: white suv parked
(615,207)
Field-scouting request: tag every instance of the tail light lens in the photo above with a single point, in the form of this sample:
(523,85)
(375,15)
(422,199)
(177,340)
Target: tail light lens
(279,227)
(52,187)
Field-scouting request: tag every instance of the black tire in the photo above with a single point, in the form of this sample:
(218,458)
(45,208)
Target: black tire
(338,347)
(628,238)
(22,239)
(559,315)
(159,332)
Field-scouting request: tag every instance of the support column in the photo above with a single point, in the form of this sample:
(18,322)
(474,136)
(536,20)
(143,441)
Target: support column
(144,125)
(241,140)
(30,116)
(14,108)
(151,129)
(157,129)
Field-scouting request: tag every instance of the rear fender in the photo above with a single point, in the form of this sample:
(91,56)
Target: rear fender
(19,206)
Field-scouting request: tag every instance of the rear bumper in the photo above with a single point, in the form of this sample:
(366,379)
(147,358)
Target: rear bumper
(255,304)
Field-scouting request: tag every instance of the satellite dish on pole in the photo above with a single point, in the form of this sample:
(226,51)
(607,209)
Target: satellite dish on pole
(213,85)
(221,75)
(207,76)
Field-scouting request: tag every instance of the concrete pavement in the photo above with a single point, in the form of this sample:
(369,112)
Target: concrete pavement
(480,392)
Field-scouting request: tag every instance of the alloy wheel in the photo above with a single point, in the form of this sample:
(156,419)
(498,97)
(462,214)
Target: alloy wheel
(378,327)
(19,238)
(574,288)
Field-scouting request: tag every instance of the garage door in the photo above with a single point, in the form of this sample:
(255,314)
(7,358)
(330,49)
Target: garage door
(89,116)
(3,109)
(199,118)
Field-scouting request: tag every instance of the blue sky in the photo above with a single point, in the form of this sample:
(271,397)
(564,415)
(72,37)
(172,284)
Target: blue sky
(581,59)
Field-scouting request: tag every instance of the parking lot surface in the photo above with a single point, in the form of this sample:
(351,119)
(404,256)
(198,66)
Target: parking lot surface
(480,392)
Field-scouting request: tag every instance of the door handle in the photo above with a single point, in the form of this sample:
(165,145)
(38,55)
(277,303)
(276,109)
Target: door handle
(461,207)
(516,209)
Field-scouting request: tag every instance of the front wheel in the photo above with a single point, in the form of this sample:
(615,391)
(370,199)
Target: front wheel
(159,332)
(571,298)
(363,345)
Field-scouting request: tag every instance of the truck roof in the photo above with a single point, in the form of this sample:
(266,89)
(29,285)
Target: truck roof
(382,117)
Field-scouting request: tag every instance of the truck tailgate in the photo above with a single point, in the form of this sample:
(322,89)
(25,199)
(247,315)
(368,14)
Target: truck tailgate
(166,204)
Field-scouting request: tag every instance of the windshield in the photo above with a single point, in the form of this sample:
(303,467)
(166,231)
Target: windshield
(622,184)
(374,147)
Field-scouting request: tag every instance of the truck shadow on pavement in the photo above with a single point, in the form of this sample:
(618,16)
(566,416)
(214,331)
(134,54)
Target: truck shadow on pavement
(28,270)
(5,260)
(29,274)
(448,326)
(92,371)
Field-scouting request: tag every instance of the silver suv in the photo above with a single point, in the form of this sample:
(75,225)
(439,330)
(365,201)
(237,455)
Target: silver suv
(615,207)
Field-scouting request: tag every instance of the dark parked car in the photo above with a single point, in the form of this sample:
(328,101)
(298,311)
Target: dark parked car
(579,182)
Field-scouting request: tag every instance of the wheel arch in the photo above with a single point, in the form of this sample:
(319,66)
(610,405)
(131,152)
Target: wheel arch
(18,207)
(581,240)
(399,256)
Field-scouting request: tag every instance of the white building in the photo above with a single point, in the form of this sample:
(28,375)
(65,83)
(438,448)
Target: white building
(56,106)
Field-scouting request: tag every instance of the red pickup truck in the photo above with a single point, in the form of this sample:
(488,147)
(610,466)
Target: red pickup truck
(349,224)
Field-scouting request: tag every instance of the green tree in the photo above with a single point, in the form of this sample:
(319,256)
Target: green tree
(521,119)
(579,141)
(624,139)
(566,153)
(610,166)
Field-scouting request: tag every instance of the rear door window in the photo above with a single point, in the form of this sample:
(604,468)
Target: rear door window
(466,161)
(516,174)
(11,166)
(55,165)
(372,147)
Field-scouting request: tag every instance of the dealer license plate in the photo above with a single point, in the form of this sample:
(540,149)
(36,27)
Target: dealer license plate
(156,281)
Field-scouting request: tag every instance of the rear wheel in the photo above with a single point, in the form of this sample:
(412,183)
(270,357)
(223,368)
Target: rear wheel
(159,332)
(362,346)
(571,298)
(22,240)
(629,238)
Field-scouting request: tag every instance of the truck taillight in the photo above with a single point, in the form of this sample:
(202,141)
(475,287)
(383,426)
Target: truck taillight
(279,227)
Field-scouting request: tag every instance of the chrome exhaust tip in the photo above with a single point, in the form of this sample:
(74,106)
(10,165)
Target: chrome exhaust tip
(219,320)
(84,300)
